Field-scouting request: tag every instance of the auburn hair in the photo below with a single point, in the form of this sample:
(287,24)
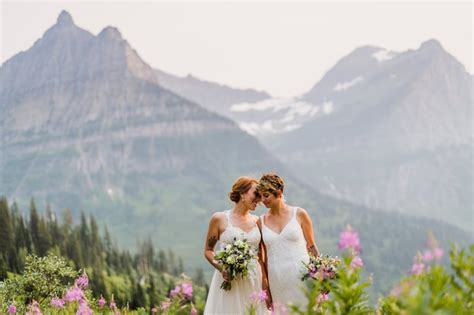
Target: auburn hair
(241,186)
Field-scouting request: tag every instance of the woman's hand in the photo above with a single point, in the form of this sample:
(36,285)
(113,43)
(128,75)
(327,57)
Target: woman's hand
(225,274)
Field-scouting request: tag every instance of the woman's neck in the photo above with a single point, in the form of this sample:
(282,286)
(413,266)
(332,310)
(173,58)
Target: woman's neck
(241,210)
(278,208)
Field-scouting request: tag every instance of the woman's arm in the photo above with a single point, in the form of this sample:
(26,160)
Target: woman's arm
(307,227)
(211,240)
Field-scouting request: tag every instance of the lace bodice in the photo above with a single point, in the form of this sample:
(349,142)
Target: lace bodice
(232,233)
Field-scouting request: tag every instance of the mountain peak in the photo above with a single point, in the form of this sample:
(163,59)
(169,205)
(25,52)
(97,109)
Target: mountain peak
(65,19)
(111,33)
(431,44)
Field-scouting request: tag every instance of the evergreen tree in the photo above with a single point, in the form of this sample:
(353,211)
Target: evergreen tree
(44,238)
(34,226)
(138,296)
(85,240)
(6,229)
(96,244)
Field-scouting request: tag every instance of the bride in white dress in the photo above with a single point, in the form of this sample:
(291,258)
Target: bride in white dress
(288,238)
(226,227)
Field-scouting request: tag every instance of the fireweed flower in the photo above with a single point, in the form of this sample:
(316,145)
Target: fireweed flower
(259,296)
(101,302)
(434,251)
(57,302)
(418,266)
(74,294)
(356,262)
(428,256)
(154,310)
(438,253)
(322,297)
(175,291)
(83,281)
(349,239)
(34,309)
(187,290)
(165,305)
(193,310)
(112,305)
(84,309)
(11,309)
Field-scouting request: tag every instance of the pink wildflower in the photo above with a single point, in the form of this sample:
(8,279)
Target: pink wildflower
(84,309)
(418,266)
(112,304)
(74,294)
(11,309)
(34,308)
(83,281)
(356,262)
(57,302)
(175,291)
(101,302)
(438,253)
(322,297)
(193,310)
(427,256)
(187,290)
(165,305)
(349,239)
(259,296)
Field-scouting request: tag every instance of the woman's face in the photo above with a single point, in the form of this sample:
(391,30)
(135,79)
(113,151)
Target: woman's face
(251,197)
(268,199)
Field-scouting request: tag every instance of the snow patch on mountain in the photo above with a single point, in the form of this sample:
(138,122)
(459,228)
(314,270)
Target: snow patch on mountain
(345,85)
(383,55)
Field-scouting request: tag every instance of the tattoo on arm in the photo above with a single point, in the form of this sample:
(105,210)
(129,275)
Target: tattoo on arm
(211,242)
(313,250)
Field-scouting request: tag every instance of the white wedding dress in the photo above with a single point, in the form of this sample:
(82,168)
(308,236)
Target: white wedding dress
(236,301)
(285,253)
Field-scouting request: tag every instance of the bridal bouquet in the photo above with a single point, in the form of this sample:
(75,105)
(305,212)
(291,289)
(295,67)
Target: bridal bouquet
(237,258)
(321,268)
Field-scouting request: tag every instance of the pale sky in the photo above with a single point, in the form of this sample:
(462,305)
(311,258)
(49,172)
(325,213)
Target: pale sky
(282,48)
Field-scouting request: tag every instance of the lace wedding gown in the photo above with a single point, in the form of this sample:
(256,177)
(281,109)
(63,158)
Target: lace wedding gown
(285,253)
(236,301)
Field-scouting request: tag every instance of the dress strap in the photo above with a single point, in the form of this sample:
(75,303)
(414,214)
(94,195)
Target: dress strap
(263,219)
(227,215)
(295,209)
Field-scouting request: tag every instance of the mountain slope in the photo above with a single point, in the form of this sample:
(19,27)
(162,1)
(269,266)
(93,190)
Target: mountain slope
(87,125)
(398,139)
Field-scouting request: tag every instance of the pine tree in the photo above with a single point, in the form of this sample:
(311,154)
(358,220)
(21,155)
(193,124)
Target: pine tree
(34,226)
(138,297)
(85,240)
(152,293)
(96,244)
(44,238)
(6,229)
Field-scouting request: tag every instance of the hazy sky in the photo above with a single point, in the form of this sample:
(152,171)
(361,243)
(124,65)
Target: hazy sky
(282,48)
